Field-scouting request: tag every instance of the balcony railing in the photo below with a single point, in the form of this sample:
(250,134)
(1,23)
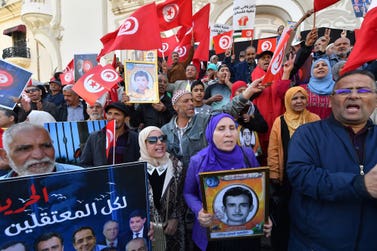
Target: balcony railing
(11,52)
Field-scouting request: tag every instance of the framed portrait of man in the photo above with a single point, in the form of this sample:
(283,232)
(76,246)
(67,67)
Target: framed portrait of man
(141,82)
(238,199)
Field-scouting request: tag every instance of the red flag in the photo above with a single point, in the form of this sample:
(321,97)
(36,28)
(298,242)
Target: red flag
(140,31)
(168,45)
(201,33)
(247,33)
(364,49)
(266,44)
(183,49)
(173,13)
(321,4)
(69,66)
(87,88)
(278,57)
(110,136)
(114,63)
(67,77)
(106,76)
(223,42)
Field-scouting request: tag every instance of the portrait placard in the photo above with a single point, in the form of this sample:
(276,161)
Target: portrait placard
(64,202)
(238,199)
(84,63)
(141,82)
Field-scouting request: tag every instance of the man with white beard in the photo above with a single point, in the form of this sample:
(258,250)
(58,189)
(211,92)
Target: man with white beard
(29,150)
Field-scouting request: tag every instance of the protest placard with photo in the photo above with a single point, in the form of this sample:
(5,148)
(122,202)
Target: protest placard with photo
(238,199)
(63,202)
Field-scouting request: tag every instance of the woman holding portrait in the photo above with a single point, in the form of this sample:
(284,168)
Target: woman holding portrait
(222,153)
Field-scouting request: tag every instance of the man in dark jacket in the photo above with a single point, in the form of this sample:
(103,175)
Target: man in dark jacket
(126,146)
(332,168)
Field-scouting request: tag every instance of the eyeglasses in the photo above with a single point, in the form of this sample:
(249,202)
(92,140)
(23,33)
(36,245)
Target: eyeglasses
(154,139)
(359,91)
(31,90)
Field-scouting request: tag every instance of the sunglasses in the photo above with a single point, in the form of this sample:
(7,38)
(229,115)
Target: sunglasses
(348,91)
(31,90)
(154,139)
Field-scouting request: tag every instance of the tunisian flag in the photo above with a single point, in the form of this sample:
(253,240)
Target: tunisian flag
(173,13)
(182,48)
(140,31)
(201,33)
(106,76)
(87,88)
(321,4)
(223,42)
(167,47)
(266,44)
(277,59)
(110,137)
(364,49)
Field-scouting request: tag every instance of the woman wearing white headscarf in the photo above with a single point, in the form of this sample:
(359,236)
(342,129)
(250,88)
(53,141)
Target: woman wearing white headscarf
(165,175)
(40,117)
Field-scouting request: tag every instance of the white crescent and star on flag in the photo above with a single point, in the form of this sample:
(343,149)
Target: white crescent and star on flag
(109,75)
(266,46)
(6,79)
(225,42)
(92,86)
(181,50)
(129,27)
(164,47)
(170,12)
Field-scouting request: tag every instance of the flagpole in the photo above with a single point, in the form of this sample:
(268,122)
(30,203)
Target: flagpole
(114,142)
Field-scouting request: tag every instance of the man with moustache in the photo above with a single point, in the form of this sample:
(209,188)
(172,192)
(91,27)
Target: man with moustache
(28,149)
(95,111)
(332,169)
(126,146)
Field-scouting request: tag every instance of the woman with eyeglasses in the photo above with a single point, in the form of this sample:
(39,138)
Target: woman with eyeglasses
(319,87)
(296,101)
(165,186)
(222,153)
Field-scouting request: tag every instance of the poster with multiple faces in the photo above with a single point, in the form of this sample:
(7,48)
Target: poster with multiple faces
(75,205)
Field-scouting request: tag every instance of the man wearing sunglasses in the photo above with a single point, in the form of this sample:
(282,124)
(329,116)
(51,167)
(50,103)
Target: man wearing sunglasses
(332,168)
(126,146)
(36,103)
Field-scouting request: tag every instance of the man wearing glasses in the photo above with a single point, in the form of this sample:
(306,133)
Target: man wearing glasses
(35,102)
(332,168)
